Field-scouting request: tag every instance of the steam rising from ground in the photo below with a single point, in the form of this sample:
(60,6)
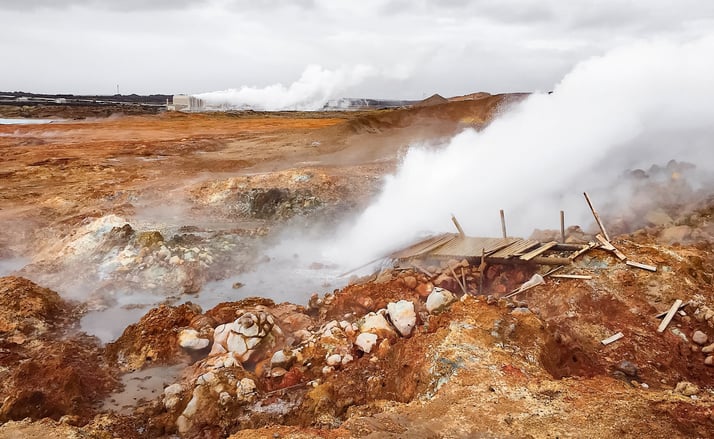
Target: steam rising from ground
(637,105)
(311,92)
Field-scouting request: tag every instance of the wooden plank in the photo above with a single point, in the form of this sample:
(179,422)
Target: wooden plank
(553,270)
(662,314)
(670,314)
(607,245)
(458,226)
(642,266)
(583,249)
(542,249)
(562,226)
(571,276)
(612,339)
(551,260)
(597,217)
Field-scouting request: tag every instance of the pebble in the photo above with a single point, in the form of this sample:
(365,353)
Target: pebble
(709,361)
(700,338)
(334,360)
(410,282)
(708,349)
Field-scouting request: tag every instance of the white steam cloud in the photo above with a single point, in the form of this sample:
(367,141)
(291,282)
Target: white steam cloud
(311,92)
(637,105)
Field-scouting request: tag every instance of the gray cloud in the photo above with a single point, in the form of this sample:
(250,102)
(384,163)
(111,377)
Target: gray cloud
(423,46)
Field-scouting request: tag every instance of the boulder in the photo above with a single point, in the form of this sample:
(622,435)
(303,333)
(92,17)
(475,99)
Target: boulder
(402,316)
(439,299)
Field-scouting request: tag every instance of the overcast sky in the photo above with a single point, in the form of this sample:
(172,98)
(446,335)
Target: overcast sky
(416,47)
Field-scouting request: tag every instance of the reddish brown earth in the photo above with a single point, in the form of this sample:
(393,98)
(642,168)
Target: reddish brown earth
(529,366)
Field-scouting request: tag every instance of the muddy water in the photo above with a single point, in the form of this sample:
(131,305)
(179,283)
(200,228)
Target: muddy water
(140,386)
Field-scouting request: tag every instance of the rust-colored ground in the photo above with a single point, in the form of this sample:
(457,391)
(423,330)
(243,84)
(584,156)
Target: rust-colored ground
(532,366)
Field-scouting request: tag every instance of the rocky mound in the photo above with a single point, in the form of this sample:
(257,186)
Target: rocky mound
(46,368)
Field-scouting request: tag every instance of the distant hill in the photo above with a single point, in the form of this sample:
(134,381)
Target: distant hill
(435,99)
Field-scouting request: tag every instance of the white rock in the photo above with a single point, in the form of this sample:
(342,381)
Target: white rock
(236,343)
(327,369)
(439,299)
(366,341)
(192,406)
(280,359)
(175,260)
(333,360)
(172,396)
(208,378)
(403,316)
(189,339)
(375,323)
(346,359)
(253,342)
(247,325)
(245,390)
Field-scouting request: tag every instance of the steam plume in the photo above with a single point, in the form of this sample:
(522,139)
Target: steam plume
(312,91)
(637,105)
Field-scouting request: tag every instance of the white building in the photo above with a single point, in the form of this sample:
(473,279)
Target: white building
(185,103)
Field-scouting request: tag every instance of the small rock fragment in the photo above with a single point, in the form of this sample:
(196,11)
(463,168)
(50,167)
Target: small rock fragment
(366,341)
(686,388)
(699,338)
(709,361)
(627,367)
(410,282)
(333,360)
(708,349)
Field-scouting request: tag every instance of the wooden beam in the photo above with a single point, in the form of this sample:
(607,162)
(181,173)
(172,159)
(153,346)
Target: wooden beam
(612,339)
(642,266)
(670,315)
(458,281)
(583,249)
(664,313)
(503,224)
(542,249)
(607,245)
(597,217)
(562,226)
(551,260)
(571,276)
(458,226)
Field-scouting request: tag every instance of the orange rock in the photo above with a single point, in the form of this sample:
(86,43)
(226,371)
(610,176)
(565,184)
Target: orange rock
(410,282)
(424,289)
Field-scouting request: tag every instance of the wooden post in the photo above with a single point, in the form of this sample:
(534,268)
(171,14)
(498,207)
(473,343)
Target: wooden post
(503,224)
(562,226)
(597,217)
(458,226)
